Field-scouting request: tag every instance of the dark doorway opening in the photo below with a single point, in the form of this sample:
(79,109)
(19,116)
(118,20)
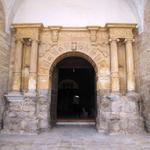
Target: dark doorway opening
(76,92)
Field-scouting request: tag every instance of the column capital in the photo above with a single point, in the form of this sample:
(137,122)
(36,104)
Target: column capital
(114,40)
(129,40)
(27,41)
(19,40)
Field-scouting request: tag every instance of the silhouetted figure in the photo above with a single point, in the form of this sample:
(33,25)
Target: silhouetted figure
(76,105)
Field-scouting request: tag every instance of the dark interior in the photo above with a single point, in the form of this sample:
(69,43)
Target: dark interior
(76,89)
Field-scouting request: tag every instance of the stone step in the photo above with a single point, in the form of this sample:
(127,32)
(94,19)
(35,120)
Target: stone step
(75,122)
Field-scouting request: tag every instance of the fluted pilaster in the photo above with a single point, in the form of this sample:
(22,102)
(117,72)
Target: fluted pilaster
(130,65)
(16,85)
(32,86)
(115,87)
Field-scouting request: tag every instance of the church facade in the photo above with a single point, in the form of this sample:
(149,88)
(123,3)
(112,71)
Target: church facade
(50,74)
(36,51)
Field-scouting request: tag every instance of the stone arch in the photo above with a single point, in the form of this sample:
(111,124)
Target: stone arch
(2,17)
(77,54)
(90,58)
(53,89)
(96,56)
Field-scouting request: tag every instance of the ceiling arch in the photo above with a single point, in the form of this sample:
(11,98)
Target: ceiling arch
(138,7)
(2,17)
(13,8)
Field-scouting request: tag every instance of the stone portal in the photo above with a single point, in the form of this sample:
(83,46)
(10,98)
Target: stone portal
(36,50)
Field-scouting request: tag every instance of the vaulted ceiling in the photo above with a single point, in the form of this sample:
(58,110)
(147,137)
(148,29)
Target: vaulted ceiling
(11,7)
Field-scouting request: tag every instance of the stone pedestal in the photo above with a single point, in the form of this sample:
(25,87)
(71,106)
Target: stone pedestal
(14,96)
(120,114)
(20,116)
(43,113)
(115,114)
(26,115)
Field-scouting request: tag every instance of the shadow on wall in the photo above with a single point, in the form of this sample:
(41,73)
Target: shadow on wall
(143,66)
(2,18)
(4,62)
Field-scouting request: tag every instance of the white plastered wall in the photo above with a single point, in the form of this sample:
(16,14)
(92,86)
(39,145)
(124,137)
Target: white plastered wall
(74,12)
(78,12)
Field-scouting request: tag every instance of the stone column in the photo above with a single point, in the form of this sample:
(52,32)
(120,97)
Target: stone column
(115,87)
(130,66)
(12,60)
(32,86)
(16,84)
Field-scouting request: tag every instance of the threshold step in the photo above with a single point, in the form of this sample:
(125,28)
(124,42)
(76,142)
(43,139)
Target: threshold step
(75,123)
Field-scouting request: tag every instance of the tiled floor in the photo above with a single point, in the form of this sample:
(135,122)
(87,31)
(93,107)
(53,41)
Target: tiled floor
(74,138)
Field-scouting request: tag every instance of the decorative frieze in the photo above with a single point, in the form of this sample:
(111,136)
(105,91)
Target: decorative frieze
(93,34)
(121,30)
(55,34)
(74,46)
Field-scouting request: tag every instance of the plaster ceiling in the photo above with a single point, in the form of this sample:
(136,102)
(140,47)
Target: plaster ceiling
(11,7)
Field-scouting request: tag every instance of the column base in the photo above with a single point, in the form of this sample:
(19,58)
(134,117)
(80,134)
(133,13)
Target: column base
(113,96)
(14,96)
(132,93)
(30,94)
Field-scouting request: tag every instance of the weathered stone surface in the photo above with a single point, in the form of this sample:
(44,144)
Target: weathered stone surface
(28,116)
(120,115)
(142,63)
(4,69)
(43,113)
(21,116)
(4,63)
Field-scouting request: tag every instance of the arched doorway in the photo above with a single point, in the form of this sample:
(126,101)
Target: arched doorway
(73,96)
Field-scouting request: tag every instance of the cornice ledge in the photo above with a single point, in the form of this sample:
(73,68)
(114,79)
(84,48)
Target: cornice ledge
(107,26)
(93,27)
(27,25)
(121,25)
(55,27)
(14,97)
